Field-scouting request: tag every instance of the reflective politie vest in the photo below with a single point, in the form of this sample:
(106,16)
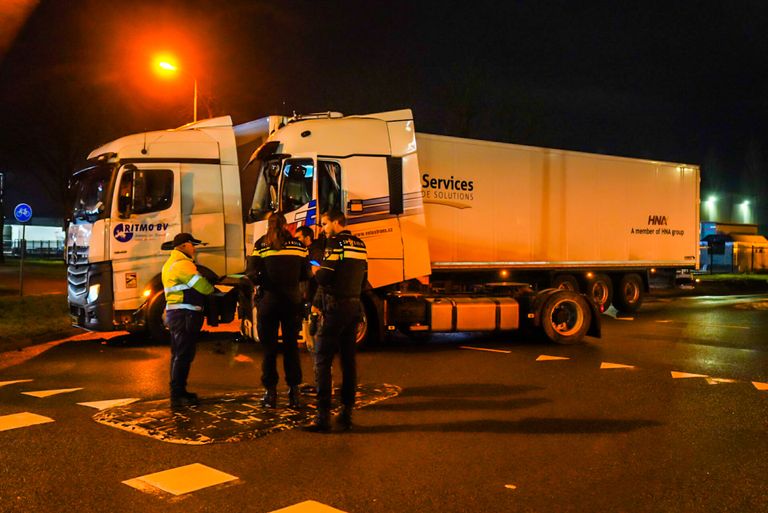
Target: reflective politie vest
(344,269)
(184,286)
(279,270)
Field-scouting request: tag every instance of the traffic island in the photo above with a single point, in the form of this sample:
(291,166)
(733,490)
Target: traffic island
(228,418)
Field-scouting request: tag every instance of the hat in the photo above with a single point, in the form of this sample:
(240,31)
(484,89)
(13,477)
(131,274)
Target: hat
(180,239)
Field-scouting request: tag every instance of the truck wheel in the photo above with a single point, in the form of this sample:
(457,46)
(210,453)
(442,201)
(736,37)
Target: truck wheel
(156,319)
(628,293)
(366,334)
(566,317)
(600,289)
(565,282)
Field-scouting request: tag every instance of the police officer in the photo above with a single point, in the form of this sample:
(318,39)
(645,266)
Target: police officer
(278,264)
(184,289)
(341,276)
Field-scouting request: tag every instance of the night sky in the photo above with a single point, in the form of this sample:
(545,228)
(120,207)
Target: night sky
(674,81)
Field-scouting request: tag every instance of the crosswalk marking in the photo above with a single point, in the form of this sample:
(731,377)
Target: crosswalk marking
(47,393)
(181,480)
(110,403)
(606,365)
(760,386)
(20,420)
(546,358)
(308,507)
(4,383)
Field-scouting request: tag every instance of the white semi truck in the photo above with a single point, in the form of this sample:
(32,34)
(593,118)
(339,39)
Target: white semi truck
(456,229)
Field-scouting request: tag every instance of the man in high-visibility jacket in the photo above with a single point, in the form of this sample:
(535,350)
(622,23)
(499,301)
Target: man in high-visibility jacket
(184,289)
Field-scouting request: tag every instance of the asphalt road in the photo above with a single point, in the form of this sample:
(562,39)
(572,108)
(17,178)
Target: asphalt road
(472,430)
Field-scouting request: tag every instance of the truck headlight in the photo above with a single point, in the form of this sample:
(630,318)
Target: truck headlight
(93,293)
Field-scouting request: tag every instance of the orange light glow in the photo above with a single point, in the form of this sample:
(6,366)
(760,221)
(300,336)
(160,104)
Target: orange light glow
(165,65)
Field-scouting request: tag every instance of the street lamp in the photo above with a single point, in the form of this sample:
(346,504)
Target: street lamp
(168,66)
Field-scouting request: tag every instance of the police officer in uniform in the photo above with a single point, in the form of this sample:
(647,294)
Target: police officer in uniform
(341,275)
(184,290)
(278,264)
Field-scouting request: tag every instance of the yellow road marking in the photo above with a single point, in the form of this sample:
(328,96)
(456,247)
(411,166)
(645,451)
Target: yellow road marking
(4,383)
(20,420)
(485,349)
(110,403)
(181,480)
(606,365)
(47,393)
(308,507)
(678,375)
(546,358)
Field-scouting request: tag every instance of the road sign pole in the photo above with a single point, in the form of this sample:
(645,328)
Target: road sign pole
(21,264)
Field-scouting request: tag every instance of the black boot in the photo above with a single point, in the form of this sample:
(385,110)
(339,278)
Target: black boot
(321,424)
(270,398)
(293,397)
(184,398)
(344,419)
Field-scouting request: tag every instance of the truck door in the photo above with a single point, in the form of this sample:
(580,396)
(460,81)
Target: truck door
(144,211)
(298,191)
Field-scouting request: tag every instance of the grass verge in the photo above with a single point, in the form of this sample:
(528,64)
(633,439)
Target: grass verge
(32,319)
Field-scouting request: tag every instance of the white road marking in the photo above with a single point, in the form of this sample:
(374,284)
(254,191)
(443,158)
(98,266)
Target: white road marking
(181,480)
(716,381)
(760,386)
(606,365)
(546,358)
(243,358)
(110,403)
(511,487)
(20,420)
(308,507)
(678,375)
(4,383)
(47,393)
(485,349)
(733,326)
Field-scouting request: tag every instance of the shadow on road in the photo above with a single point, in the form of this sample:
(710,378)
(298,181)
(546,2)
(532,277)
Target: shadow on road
(532,426)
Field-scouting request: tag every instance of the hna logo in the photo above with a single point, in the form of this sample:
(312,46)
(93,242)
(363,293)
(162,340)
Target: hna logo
(657,220)
(122,232)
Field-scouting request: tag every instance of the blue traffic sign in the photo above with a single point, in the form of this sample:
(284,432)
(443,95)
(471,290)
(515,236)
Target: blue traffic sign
(22,212)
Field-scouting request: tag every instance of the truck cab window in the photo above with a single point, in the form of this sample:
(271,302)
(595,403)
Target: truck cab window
(298,177)
(265,196)
(329,185)
(143,191)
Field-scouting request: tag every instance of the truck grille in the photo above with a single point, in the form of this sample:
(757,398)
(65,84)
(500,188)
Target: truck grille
(77,255)
(77,280)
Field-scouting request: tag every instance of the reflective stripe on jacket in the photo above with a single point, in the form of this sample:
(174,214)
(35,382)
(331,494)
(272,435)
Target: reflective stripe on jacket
(183,285)
(344,269)
(279,270)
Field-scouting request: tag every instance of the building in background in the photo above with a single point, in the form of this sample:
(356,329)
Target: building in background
(730,241)
(44,236)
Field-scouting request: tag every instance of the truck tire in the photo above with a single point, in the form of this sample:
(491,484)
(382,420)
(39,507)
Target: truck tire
(156,319)
(367,334)
(600,289)
(565,282)
(565,317)
(628,293)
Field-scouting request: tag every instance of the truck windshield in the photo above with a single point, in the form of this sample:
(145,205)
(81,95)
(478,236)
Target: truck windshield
(91,191)
(265,198)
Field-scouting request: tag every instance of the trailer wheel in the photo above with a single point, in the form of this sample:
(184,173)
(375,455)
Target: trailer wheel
(156,319)
(600,289)
(566,317)
(628,293)
(565,282)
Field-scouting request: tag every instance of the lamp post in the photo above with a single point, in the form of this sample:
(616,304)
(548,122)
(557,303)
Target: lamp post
(167,66)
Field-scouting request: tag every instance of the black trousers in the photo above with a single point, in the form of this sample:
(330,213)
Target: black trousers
(337,335)
(275,312)
(184,326)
